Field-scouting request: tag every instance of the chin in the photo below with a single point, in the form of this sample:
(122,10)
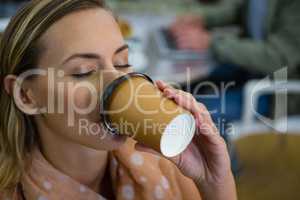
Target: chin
(114,142)
(108,141)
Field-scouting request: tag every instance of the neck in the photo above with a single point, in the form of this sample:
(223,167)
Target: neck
(85,165)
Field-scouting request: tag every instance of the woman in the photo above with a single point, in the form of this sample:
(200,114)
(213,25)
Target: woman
(45,153)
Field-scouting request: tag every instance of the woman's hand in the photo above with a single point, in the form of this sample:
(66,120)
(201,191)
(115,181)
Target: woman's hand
(206,159)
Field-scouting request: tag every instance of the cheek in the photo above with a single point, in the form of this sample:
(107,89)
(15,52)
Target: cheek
(81,98)
(41,89)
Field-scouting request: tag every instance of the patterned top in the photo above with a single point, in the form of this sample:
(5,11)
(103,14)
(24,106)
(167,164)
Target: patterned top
(135,176)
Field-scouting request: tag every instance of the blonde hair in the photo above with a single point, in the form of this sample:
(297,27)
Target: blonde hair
(19,51)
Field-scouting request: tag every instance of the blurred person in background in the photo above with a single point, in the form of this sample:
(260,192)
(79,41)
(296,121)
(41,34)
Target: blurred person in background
(269,41)
(208,1)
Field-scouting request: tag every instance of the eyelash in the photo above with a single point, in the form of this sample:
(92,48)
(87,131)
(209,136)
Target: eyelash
(83,74)
(92,71)
(123,66)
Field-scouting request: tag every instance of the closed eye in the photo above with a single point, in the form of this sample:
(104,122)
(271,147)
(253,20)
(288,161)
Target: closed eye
(123,66)
(81,75)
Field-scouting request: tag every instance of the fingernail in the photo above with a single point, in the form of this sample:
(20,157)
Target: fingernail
(198,123)
(168,90)
(159,81)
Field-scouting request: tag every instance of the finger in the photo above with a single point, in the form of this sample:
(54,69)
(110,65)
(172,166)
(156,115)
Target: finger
(201,114)
(198,119)
(203,111)
(208,129)
(187,102)
(143,148)
(210,140)
(170,94)
(176,159)
(203,118)
(162,85)
(169,91)
(204,123)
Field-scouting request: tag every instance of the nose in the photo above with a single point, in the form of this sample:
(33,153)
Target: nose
(108,75)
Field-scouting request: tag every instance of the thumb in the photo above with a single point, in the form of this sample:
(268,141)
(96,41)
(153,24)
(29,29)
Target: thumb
(177,160)
(143,148)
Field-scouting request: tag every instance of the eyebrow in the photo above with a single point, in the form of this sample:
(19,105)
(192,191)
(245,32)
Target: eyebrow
(122,48)
(94,55)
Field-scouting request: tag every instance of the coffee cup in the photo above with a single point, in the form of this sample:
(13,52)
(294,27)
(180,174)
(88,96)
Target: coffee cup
(132,105)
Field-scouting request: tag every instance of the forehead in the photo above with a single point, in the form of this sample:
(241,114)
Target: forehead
(86,30)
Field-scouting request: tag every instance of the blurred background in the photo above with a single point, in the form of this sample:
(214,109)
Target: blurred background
(241,58)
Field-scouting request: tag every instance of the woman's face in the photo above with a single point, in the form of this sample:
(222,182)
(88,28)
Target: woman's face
(83,50)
